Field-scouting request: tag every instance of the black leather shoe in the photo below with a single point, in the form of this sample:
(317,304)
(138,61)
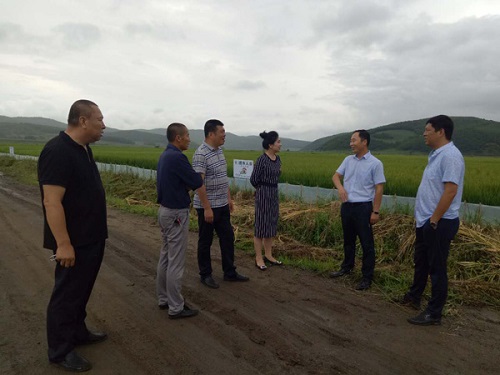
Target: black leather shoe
(73,362)
(185,313)
(236,277)
(425,319)
(210,282)
(93,338)
(166,307)
(364,284)
(407,300)
(341,272)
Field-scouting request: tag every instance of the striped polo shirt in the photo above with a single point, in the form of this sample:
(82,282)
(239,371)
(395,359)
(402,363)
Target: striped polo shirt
(212,163)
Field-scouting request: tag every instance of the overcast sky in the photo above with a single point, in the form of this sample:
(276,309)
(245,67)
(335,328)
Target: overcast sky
(306,68)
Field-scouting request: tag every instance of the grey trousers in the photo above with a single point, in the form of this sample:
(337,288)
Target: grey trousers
(174,225)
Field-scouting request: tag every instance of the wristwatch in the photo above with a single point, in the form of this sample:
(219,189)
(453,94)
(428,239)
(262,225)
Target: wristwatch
(434,225)
(375,212)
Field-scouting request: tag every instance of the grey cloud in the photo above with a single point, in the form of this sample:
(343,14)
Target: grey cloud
(14,39)
(422,68)
(248,85)
(9,32)
(353,25)
(423,37)
(156,31)
(352,15)
(78,35)
(306,111)
(277,32)
(458,52)
(284,126)
(272,38)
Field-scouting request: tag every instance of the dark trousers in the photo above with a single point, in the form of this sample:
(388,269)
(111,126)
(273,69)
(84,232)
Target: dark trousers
(356,223)
(223,228)
(432,247)
(66,311)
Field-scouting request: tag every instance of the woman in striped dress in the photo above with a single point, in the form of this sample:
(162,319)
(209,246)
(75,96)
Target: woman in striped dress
(264,179)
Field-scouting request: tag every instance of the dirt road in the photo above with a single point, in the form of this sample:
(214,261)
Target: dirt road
(284,321)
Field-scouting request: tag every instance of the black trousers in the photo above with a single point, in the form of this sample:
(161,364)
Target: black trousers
(432,247)
(224,229)
(356,223)
(66,312)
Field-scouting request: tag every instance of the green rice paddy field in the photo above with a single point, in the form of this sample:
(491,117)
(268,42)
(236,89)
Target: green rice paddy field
(403,172)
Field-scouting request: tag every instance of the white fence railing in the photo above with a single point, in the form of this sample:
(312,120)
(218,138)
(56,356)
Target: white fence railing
(490,214)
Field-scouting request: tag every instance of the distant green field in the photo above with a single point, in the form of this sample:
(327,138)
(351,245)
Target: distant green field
(403,172)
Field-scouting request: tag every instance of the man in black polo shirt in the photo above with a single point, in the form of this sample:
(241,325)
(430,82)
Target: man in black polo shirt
(75,229)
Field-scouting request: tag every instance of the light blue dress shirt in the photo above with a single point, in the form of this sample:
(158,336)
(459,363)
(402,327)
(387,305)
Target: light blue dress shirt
(446,164)
(360,177)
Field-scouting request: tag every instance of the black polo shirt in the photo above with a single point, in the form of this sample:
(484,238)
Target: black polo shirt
(63,162)
(174,178)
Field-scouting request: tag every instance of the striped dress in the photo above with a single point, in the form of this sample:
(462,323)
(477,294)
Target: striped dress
(264,179)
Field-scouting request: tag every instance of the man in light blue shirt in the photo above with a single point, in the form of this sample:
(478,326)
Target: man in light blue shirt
(436,213)
(361,196)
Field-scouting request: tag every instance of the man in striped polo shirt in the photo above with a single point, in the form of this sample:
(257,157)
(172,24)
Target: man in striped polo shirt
(209,161)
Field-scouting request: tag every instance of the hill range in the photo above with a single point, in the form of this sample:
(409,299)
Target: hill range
(39,129)
(472,135)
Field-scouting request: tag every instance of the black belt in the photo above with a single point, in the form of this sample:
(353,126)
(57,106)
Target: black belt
(356,203)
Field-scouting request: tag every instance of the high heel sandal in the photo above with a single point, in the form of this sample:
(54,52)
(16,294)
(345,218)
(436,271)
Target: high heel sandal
(277,263)
(262,268)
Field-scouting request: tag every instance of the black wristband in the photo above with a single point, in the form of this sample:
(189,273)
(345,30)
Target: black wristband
(376,212)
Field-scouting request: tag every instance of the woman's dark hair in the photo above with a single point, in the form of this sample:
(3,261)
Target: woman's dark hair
(268,139)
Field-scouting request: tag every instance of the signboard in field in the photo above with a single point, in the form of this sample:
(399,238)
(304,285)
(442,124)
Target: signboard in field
(242,168)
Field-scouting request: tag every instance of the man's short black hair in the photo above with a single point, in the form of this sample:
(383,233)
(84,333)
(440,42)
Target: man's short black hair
(82,107)
(211,126)
(363,134)
(442,122)
(175,129)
